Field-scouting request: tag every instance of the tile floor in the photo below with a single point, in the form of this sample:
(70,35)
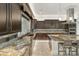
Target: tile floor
(41,48)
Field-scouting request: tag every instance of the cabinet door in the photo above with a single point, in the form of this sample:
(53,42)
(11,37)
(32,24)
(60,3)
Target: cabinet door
(15,18)
(3,18)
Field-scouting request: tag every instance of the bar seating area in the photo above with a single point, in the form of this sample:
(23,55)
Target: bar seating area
(69,47)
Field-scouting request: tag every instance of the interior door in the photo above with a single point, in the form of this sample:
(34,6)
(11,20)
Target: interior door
(3,18)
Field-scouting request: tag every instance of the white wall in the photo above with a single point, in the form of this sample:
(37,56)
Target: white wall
(43,17)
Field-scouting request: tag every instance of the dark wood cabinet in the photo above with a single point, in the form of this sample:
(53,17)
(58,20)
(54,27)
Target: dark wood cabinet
(3,18)
(10,18)
(15,18)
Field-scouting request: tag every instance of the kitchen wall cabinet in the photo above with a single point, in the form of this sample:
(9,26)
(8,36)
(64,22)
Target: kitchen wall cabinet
(10,18)
(15,18)
(71,28)
(3,18)
(49,24)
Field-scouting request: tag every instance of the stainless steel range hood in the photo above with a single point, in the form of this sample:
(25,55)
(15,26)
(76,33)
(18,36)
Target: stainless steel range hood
(70,15)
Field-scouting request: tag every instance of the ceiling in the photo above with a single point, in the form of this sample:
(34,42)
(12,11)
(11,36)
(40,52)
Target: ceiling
(53,10)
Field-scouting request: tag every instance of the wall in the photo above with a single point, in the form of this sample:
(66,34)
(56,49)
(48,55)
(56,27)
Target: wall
(43,17)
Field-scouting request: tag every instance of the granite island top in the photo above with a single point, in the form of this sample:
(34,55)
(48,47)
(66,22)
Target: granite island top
(64,37)
(15,47)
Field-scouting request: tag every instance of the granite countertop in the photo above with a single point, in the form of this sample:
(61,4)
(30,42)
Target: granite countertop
(8,35)
(15,47)
(65,37)
(49,31)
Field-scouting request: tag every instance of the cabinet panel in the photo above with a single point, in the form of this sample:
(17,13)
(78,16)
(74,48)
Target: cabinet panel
(15,18)
(10,18)
(3,19)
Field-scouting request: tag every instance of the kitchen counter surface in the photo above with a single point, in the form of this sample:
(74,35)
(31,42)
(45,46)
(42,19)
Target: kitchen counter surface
(49,31)
(8,35)
(55,39)
(15,47)
(64,37)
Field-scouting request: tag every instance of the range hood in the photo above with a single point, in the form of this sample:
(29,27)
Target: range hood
(70,15)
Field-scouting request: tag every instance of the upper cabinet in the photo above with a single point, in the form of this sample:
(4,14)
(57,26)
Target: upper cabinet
(3,18)
(15,18)
(10,18)
(11,15)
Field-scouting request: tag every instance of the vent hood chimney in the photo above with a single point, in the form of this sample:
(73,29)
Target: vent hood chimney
(70,15)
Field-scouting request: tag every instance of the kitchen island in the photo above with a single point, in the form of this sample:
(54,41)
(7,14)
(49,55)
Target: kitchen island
(64,37)
(16,47)
(56,39)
